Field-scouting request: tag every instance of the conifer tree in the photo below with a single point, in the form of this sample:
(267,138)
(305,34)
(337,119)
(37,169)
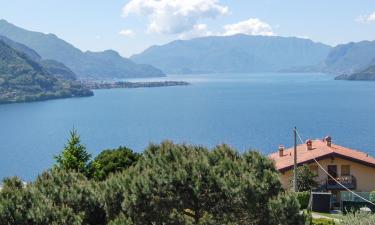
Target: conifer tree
(74,155)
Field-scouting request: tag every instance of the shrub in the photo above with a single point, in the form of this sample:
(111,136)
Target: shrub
(27,206)
(359,218)
(303,199)
(323,221)
(306,179)
(372,196)
(72,190)
(112,161)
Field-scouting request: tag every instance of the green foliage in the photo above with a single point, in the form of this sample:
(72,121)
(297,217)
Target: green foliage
(284,209)
(27,206)
(74,155)
(11,183)
(359,218)
(183,184)
(56,197)
(72,190)
(23,79)
(170,184)
(372,196)
(120,220)
(322,221)
(303,199)
(112,161)
(306,179)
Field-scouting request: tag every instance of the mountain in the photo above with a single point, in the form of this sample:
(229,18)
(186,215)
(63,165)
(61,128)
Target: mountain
(21,48)
(350,58)
(107,64)
(58,69)
(110,63)
(239,53)
(23,79)
(51,66)
(367,74)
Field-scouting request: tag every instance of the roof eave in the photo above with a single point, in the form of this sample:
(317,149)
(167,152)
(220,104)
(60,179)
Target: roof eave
(331,154)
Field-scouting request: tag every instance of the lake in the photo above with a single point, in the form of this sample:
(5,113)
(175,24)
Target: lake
(246,111)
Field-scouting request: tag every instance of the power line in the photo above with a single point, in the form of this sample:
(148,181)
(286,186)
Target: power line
(299,136)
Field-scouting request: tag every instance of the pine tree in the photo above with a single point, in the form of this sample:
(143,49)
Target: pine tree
(74,155)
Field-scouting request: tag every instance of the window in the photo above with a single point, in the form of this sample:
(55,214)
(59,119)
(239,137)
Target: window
(345,170)
(332,170)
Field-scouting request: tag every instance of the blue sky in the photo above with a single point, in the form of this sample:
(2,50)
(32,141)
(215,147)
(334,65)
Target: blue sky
(131,26)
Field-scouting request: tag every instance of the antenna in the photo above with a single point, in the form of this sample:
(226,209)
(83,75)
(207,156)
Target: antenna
(295,182)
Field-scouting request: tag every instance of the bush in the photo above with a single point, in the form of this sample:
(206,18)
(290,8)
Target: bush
(72,190)
(285,210)
(27,206)
(359,218)
(323,221)
(306,179)
(112,161)
(372,196)
(303,199)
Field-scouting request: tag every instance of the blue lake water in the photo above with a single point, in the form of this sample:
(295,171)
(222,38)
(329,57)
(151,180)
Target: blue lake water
(255,111)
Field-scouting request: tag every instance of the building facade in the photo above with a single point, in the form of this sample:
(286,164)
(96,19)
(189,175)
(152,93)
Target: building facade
(353,169)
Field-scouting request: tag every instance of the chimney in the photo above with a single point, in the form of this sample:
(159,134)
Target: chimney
(309,144)
(281,150)
(328,139)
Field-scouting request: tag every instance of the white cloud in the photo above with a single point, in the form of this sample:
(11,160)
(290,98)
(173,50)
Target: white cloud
(366,18)
(199,30)
(127,33)
(252,26)
(175,16)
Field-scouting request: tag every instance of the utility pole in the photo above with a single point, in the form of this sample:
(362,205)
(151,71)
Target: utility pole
(295,182)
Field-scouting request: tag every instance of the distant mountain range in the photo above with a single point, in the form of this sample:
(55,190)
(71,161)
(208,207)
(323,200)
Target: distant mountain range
(216,54)
(350,58)
(243,53)
(352,61)
(51,66)
(366,74)
(234,54)
(22,79)
(107,64)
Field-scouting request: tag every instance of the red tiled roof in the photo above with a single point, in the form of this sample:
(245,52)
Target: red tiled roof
(320,151)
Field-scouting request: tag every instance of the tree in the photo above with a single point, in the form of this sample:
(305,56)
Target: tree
(74,155)
(112,161)
(305,178)
(184,184)
(26,205)
(74,191)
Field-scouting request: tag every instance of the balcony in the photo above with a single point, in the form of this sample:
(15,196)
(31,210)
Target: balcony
(349,182)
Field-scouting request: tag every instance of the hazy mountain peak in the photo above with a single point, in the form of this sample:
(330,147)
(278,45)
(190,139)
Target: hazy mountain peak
(237,53)
(350,58)
(50,46)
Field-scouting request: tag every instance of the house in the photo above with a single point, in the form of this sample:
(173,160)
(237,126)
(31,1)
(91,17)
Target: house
(354,169)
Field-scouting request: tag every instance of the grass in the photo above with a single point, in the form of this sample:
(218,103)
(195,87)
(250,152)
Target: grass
(329,215)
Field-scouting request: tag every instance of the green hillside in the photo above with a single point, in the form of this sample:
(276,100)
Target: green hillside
(22,79)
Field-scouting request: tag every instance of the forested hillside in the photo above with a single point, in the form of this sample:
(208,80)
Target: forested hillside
(23,79)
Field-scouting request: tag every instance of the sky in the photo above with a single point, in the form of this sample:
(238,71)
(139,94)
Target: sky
(131,26)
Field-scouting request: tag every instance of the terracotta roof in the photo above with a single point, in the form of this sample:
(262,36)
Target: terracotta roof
(320,150)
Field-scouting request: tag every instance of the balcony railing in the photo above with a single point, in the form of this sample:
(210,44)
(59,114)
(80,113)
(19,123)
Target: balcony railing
(349,182)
